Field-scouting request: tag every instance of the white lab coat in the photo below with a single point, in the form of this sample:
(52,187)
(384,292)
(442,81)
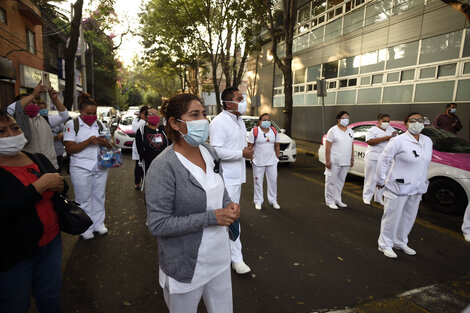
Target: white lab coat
(89,181)
(405,184)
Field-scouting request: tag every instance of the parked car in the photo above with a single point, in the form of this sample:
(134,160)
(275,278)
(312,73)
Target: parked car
(449,171)
(106,114)
(124,136)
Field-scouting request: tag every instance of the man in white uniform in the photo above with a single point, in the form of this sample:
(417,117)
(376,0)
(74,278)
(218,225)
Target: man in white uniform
(228,137)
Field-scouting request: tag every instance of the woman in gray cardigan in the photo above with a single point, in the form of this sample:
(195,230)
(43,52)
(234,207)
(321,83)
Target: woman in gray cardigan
(188,210)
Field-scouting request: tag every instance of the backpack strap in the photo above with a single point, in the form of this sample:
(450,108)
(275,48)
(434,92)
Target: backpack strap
(274,130)
(255,133)
(76,125)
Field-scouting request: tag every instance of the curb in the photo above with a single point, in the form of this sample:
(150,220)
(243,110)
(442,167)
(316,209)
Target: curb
(300,150)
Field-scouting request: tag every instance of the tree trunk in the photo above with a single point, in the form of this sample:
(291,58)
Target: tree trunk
(70,54)
(216,86)
(288,102)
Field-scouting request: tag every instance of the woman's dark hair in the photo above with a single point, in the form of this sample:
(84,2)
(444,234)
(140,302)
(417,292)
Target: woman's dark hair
(408,116)
(382,115)
(85,99)
(4,116)
(144,109)
(264,114)
(20,96)
(338,116)
(175,107)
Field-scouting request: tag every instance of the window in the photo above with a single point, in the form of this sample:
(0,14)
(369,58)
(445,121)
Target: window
(278,102)
(343,83)
(407,75)
(3,16)
(318,7)
(349,66)
(311,99)
(365,81)
(346,97)
(466,48)
(330,97)
(466,68)
(378,11)
(360,132)
(333,30)
(393,77)
(373,61)
(281,49)
(313,73)
(316,36)
(377,79)
(403,55)
(302,42)
(440,48)
(401,6)
(429,72)
(463,90)
(304,14)
(369,95)
(298,100)
(330,69)
(352,82)
(278,80)
(397,94)
(331,85)
(353,21)
(434,92)
(30,41)
(299,76)
(446,70)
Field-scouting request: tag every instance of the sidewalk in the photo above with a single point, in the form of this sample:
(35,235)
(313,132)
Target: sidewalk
(307,147)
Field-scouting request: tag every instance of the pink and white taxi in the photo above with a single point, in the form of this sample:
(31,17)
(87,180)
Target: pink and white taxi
(448,174)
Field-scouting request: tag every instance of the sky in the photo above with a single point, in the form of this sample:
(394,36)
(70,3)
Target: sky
(124,8)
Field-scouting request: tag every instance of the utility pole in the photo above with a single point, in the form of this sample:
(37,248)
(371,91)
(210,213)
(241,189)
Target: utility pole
(75,104)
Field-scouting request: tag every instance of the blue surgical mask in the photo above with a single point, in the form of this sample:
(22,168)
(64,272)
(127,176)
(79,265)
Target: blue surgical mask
(198,131)
(265,124)
(43,112)
(453,110)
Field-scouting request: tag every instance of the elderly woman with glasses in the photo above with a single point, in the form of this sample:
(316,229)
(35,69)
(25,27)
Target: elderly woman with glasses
(406,159)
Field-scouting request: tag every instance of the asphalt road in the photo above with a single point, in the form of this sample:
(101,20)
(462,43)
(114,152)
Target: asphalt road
(304,257)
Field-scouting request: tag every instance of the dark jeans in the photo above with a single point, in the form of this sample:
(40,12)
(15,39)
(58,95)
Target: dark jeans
(138,173)
(41,275)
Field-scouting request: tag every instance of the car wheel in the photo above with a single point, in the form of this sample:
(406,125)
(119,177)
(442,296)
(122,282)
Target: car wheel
(446,196)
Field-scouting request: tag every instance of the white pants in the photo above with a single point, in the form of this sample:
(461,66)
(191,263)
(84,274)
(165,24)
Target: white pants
(271,178)
(217,295)
(234,192)
(334,182)
(466,220)
(90,187)
(398,219)
(370,186)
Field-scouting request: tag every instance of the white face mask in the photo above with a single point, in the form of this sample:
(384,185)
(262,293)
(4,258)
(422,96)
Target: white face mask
(242,106)
(415,128)
(12,145)
(344,122)
(385,125)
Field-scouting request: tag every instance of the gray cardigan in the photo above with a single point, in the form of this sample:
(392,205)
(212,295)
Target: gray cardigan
(176,213)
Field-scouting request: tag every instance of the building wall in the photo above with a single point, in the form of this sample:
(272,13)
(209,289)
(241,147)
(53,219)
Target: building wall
(324,43)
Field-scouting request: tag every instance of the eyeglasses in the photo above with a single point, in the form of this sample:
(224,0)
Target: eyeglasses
(414,120)
(217,165)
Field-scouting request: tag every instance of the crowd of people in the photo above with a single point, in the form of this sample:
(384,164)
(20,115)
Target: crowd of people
(192,189)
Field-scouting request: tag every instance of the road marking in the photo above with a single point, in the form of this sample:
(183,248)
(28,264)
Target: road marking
(421,222)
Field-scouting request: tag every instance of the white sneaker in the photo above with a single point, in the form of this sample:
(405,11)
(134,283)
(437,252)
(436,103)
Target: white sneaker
(467,237)
(341,204)
(276,205)
(241,268)
(333,206)
(366,201)
(389,253)
(102,230)
(407,250)
(88,235)
(257,206)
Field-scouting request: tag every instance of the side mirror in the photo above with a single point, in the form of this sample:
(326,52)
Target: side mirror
(283,131)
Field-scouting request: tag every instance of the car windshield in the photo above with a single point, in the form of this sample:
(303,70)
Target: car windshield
(445,141)
(251,122)
(127,120)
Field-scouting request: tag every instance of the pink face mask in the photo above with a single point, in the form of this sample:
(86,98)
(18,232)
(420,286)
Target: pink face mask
(31,110)
(153,119)
(89,119)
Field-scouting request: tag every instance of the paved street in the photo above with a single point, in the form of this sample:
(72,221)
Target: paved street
(305,257)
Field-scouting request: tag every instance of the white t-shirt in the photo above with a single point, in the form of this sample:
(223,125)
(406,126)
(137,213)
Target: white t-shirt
(373,152)
(214,252)
(136,124)
(341,145)
(264,153)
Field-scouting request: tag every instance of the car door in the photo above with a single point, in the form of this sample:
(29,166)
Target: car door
(360,147)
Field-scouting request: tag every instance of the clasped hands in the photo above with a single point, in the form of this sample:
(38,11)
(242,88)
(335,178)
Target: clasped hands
(228,215)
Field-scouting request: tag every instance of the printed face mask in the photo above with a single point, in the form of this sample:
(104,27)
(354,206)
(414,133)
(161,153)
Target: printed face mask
(153,119)
(12,145)
(415,128)
(89,119)
(198,132)
(344,122)
(31,110)
(265,124)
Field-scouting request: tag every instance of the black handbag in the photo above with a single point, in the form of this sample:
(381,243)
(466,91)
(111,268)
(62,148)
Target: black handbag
(72,219)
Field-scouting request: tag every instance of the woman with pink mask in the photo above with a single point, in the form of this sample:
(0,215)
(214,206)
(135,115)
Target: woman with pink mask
(82,140)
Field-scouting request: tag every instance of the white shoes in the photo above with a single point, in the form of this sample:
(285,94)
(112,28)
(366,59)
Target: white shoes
(102,230)
(467,237)
(332,206)
(276,205)
(258,206)
(389,253)
(407,250)
(241,268)
(341,204)
(88,235)
(366,201)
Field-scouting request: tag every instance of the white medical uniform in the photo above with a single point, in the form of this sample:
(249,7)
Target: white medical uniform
(372,155)
(137,123)
(264,161)
(228,137)
(405,184)
(340,159)
(211,278)
(89,181)
(466,220)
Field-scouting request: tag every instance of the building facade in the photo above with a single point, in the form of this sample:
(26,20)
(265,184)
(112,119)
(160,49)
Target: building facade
(382,56)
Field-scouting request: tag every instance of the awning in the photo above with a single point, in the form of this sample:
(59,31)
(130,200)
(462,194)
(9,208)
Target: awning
(7,69)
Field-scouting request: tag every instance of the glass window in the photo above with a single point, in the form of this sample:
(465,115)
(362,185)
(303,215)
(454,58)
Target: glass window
(330,69)
(316,36)
(439,48)
(332,3)
(446,70)
(313,73)
(281,49)
(429,72)
(330,97)
(403,55)
(434,92)
(352,82)
(331,85)
(373,61)
(346,97)
(3,16)
(278,102)
(466,68)
(353,21)
(278,80)
(445,141)
(318,7)
(401,6)
(304,14)
(378,11)
(333,30)
(349,66)
(463,90)
(393,77)
(369,95)
(397,94)
(377,79)
(299,76)
(466,48)
(296,89)
(365,80)
(361,131)
(298,100)
(311,99)
(310,87)
(407,75)
(30,41)
(343,83)
(302,42)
